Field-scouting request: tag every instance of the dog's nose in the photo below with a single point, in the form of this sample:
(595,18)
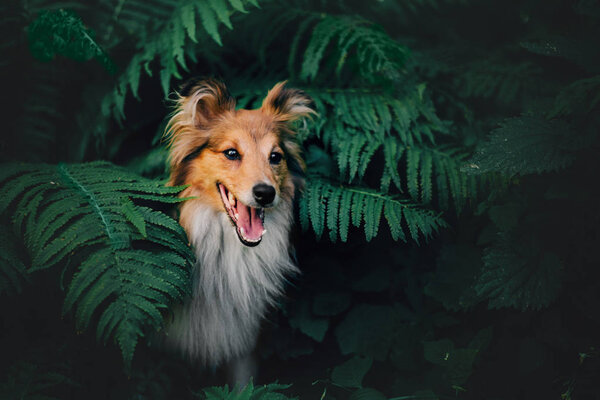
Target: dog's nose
(263,194)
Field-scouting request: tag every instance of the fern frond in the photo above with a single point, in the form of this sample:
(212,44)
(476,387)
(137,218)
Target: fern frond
(331,203)
(357,123)
(376,53)
(86,212)
(168,43)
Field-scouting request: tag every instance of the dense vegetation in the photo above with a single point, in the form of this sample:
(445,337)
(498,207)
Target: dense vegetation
(447,233)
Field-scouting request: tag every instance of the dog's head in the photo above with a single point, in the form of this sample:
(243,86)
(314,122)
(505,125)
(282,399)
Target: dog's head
(240,162)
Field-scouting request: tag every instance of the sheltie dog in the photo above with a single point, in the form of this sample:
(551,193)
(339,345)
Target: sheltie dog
(243,168)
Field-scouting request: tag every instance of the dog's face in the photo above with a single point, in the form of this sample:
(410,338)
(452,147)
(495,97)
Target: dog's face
(239,162)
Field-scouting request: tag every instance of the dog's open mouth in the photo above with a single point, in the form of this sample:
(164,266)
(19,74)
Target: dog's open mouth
(249,221)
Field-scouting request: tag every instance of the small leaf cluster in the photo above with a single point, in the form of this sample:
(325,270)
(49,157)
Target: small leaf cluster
(62,32)
(271,391)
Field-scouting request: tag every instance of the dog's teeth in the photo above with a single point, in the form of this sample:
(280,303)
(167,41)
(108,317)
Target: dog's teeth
(264,231)
(242,231)
(237,216)
(231,198)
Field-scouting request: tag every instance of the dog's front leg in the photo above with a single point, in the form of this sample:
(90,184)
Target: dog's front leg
(241,369)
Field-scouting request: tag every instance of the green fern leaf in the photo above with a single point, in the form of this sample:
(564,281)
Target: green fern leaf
(372,216)
(344,215)
(316,210)
(188,19)
(133,215)
(209,21)
(340,205)
(85,212)
(221,9)
(393,215)
(412,172)
(426,171)
(333,204)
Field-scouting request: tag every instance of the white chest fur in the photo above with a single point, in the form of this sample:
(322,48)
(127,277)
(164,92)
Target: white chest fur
(233,285)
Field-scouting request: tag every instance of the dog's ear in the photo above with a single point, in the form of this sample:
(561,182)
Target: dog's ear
(199,103)
(287,105)
(204,100)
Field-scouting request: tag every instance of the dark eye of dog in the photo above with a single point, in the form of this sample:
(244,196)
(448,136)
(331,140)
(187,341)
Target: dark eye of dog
(275,158)
(232,154)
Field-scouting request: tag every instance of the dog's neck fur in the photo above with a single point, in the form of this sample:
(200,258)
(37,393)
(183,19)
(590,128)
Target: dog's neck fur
(233,284)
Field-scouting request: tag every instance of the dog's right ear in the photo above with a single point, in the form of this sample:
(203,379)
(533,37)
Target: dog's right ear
(198,103)
(204,100)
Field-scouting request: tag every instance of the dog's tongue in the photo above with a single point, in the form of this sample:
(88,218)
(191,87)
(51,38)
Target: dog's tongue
(249,221)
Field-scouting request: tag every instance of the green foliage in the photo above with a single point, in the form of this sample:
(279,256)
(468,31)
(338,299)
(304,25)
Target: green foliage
(351,373)
(13,273)
(357,124)
(454,279)
(367,394)
(313,326)
(519,275)
(525,145)
(457,363)
(375,51)
(27,381)
(86,211)
(504,83)
(168,42)
(580,97)
(62,32)
(249,392)
(367,330)
(326,205)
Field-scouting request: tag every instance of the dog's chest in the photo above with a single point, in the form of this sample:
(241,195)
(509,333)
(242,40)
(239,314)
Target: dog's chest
(232,285)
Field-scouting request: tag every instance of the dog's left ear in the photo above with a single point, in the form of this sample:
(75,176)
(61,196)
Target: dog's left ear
(287,105)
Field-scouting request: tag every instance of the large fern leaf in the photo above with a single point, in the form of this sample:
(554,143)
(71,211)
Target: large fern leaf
(357,124)
(326,205)
(132,260)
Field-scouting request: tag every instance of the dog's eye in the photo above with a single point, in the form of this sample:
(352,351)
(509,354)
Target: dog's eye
(232,154)
(275,158)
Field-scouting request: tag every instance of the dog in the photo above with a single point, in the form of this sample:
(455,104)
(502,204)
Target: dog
(243,168)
